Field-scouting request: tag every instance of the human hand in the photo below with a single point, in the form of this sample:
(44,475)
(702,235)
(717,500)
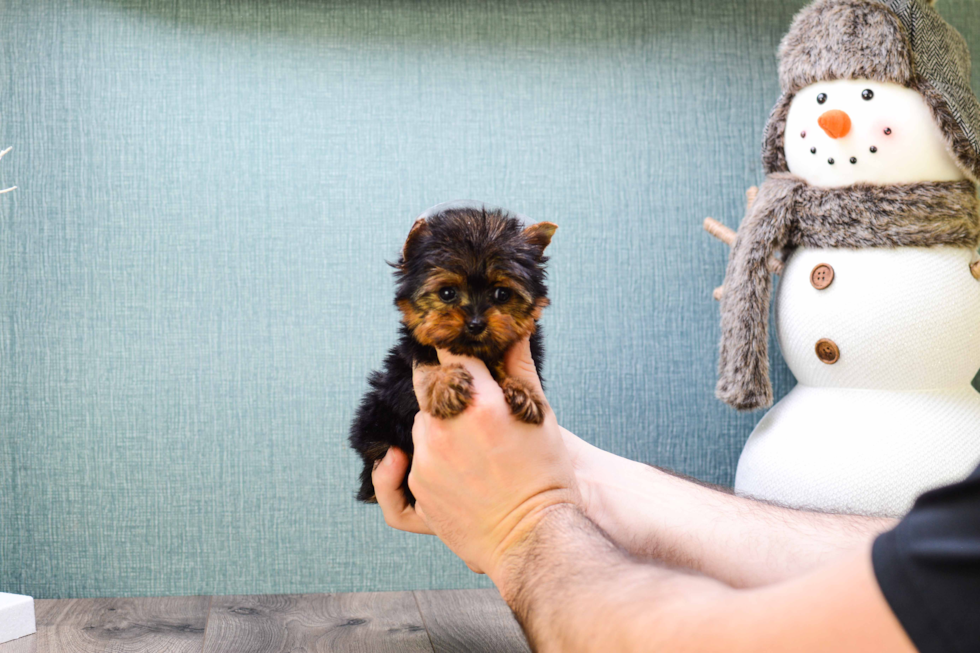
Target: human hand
(390,470)
(592,465)
(482,479)
(388,474)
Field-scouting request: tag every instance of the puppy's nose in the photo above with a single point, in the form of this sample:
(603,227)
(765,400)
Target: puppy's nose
(476,326)
(835,122)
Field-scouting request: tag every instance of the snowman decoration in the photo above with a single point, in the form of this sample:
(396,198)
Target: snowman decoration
(870,214)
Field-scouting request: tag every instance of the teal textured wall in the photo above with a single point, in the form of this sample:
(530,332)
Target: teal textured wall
(193,278)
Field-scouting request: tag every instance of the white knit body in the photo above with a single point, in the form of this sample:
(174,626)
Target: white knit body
(896,415)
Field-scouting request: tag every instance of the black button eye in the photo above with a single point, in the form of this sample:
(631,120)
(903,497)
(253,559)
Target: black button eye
(867,94)
(447,294)
(501,295)
(821,98)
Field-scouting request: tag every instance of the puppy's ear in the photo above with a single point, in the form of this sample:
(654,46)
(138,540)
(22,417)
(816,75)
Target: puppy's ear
(415,235)
(540,234)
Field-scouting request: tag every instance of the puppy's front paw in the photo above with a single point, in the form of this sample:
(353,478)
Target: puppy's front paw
(523,400)
(448,390)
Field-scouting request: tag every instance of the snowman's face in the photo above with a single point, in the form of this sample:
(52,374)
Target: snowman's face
(844,132)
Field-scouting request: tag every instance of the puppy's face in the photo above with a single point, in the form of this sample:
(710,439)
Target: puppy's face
(477,312)
(472,281)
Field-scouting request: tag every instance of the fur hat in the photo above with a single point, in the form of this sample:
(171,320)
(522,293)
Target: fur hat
(905,42)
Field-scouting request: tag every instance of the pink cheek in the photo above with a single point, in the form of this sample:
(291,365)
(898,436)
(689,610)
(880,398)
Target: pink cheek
(883,129)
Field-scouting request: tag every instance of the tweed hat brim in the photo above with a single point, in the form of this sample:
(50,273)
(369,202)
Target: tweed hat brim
(905,42)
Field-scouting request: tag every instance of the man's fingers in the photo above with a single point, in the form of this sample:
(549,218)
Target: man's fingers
(387,478)
(419,374)
(475,366)
(519,363)
(483,383)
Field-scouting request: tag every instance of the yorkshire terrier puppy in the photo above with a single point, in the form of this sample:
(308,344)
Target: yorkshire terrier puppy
(470,281)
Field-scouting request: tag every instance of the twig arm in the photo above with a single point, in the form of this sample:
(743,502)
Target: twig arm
(727,236)
(719,231)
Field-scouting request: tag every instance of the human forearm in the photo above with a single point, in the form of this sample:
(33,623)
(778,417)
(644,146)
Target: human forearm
(743,542)
(506,497)
(574,590)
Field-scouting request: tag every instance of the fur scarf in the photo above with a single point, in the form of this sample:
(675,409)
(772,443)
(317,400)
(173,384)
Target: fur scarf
(788,213)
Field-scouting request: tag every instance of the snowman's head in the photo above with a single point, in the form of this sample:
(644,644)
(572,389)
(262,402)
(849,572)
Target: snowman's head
(848,131)
(917,67)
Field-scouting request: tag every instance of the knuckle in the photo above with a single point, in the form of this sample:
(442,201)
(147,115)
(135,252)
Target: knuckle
(378,477)
(525,369)
(421,429)
(486,410)
(438,435)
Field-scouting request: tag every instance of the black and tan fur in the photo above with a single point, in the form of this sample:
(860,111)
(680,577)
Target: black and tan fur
(470,281)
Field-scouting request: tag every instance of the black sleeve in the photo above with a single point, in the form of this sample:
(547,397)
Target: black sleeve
(928,568)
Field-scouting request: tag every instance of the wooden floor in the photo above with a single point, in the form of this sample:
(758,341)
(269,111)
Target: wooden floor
(432,621)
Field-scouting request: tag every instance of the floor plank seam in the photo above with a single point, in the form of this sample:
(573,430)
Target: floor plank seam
(207,621)
(418,607)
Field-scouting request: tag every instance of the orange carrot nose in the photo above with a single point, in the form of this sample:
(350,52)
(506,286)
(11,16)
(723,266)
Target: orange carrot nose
(836,123)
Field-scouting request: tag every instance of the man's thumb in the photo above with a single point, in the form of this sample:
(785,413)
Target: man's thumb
(519,363)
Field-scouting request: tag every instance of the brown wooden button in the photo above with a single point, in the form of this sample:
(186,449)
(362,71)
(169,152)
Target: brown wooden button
(822,276)
(827,351)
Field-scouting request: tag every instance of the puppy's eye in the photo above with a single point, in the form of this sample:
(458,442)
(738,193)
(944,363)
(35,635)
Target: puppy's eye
(447,294)
(821,98)
(501,295)
(867,94)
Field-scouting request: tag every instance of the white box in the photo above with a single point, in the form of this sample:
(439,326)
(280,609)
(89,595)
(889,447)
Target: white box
(16,617)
